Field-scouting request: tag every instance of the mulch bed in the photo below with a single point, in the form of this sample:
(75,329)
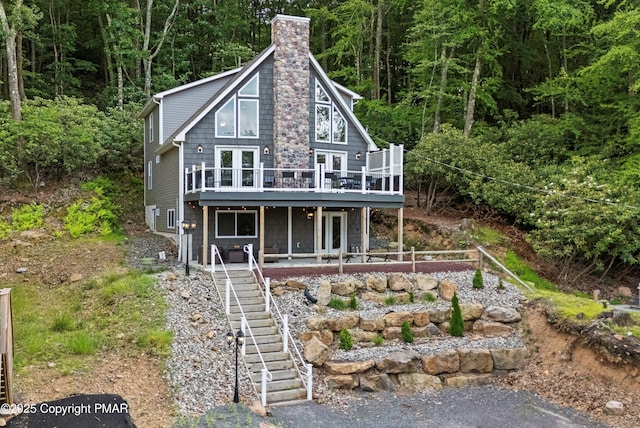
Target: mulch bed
(78,411)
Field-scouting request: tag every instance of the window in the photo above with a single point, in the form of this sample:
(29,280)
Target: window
(331,126)
(151,127)
(242,118)
(226,120)
(236,224)
(158,159)
(171,219)
(150,175)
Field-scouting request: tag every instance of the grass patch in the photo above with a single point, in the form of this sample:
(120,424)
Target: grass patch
(68,325)
(390,300)
(487,236)
(337,304)
(570,305)
(525,273)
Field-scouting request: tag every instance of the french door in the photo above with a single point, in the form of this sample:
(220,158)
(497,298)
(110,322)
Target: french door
(236,166)
(334,232)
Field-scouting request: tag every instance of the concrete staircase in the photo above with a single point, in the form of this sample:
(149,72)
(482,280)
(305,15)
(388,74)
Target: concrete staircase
(286,386)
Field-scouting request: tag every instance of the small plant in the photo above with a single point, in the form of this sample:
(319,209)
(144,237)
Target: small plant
(62,322)
(429,297)
(27,217)
(336,303)
(411,296)
(378,340)
(346,343)
(5,229)
(84,344)
(407,333)
(390,300)
(500,284)
(456,323)
(478,281)
(353,302)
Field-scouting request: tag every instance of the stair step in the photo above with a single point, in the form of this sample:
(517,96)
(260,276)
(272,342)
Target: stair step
(254,323)
(267,356)
(260,340)
(263,331)
(263,348)
(271,366)
(291,394)
(237,316)
(243,293)
(246,308)
(276,375)
(281,385)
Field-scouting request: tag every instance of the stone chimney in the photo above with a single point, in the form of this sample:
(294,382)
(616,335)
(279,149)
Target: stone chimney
(290,34)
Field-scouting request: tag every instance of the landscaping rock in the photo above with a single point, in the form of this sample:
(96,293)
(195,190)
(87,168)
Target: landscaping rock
(342,381)
(398,282)
(349,367)
(398,362)
(395,319)
(446,362)
(324,293)
(475,361)
(376,382)
(501,314)
(425,283)
(446,289)
(509,359)
(316,352)
(376,283)
(419,381)
(344,322)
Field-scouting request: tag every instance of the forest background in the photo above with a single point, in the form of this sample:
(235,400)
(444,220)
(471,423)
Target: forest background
(526,109)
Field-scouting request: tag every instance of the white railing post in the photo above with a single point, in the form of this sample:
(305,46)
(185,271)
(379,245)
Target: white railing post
(267,294)
(186,180)
(263,391)
(285,333)
(227,297)
(363,179)
(309,382)
(243,323)
(214,253)
(249,250)
(202,174)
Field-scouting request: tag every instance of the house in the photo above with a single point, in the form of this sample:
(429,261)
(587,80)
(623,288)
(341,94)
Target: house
(269,154)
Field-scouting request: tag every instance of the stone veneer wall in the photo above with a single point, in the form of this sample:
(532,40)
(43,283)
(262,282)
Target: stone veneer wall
(291,91)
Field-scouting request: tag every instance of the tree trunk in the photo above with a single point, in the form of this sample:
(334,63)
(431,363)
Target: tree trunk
(148,61)
(377,52)
(19,66)
(444,70)
(553,98)
(471,104)
(12,63)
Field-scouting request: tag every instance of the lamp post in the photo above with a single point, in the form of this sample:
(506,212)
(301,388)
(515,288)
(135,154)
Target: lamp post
(239,339)
(188,227)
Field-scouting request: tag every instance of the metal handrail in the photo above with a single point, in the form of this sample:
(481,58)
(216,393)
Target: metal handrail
(266,374)
(483,252)
(287,337)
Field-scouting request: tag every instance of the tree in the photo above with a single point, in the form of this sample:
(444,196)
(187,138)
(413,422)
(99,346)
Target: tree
(10,32)
(456,323)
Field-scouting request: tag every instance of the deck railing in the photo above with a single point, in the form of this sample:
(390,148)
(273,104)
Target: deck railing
(203,178)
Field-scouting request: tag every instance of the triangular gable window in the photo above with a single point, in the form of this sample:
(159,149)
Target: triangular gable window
(226,119)
(331,126)
(250,89)
(321,94)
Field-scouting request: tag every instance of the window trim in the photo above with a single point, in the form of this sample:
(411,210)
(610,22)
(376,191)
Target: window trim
(333,112)
(151,127)
(251,95)
(257,117)
(235,235)
(150,175)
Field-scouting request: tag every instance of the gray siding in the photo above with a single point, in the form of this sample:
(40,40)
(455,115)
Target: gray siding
(180,106)
(165,189)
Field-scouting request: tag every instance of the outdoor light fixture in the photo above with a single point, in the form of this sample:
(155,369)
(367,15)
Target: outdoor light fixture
(266,150)
(309,215)
(310,152)
(358,155)
(239,339)
(200,149)
(188,227)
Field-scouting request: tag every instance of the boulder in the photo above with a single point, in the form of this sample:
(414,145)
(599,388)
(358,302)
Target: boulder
(623,292)
(324,293)
(475,361)
(501,314)
(317,323)
(369,322)
(438,316)
(295,284)
(398,282)
(419,332)
(395,319)
(471,311)
(344,288)
(419,381)
(492,328)
(342,381)
(392,333)
(374,297)
(402,298)
(325,336)
(433,330)
(398,362)
(349,367)
(509,359)
(614,407)
(445,362)
(344,322)
(316,352)
(421,318)
(376,382)
(446,289)
(424,283)
(376,283)
(359,336)
(466,380)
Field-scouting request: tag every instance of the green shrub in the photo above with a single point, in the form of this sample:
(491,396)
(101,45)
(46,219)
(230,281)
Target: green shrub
(353,302)
(95,215)
(336,303)
(346,343)
(390,300)
(378,340)
(429,297)
(407,333)
(500,284)
(27,217)
(456,323)
(411,297)
(5,229)
(478,280)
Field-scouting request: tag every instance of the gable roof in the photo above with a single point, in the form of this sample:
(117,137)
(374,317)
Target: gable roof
(240,73)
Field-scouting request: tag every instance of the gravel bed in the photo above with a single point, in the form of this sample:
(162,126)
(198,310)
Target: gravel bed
(201,368)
